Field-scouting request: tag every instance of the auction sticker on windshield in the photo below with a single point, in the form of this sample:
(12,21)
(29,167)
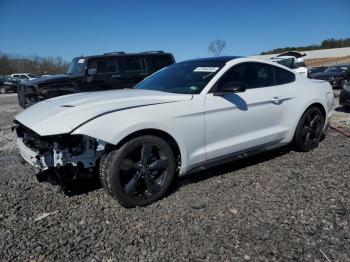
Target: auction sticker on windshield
(206,69)
(80,61)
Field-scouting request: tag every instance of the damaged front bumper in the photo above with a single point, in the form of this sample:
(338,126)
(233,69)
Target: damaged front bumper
(30,156)
(59,150)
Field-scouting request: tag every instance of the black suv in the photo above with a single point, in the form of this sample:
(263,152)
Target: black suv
(109,71)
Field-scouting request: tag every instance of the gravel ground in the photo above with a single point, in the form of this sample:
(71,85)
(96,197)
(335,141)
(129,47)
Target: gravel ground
(341,115)
(278,206)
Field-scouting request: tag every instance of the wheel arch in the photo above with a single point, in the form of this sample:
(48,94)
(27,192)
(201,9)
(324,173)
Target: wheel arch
(174,145)
(313,104)
(319,106)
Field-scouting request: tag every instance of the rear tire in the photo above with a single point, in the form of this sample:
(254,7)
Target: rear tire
(139,172)
(309,130)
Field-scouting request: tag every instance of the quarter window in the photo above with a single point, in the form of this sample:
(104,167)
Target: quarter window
(283,76)
(135,64)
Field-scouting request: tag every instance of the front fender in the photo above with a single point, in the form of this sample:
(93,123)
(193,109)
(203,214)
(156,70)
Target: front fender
(113,128)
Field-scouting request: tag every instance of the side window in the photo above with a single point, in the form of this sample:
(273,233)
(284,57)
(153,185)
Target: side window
(283,76)
(252,75)
(159,62)
(135,64)
(104,66)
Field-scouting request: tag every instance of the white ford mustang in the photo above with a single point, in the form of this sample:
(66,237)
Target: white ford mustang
(188,116)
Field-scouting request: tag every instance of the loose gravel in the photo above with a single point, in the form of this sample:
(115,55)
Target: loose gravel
(341,114)
(277,206)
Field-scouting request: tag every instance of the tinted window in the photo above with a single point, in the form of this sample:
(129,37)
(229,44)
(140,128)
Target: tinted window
(159,62)
(104,66)
(135,64)
(252,75)
(283,76)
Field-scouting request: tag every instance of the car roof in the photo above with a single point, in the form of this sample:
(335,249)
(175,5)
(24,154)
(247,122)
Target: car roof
(213,59)
(120,54)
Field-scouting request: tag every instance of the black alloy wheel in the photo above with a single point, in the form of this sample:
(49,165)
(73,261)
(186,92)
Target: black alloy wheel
(139,172)
(309,129)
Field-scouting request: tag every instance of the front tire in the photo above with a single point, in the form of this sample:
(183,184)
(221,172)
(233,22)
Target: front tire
(309,130)
(139,172)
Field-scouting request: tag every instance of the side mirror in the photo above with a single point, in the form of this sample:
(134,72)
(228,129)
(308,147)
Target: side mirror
(230,87)
(92,71)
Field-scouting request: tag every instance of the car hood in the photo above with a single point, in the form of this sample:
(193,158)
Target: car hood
(51,79)
(61,115)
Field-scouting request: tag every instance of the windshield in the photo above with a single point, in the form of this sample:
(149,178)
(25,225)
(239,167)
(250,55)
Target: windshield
(183,78)
(76,67)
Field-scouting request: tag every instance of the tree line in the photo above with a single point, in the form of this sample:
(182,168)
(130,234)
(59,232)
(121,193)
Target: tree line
(325,44)
(10,64)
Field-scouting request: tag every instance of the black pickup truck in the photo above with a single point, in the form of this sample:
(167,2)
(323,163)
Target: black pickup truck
(109,71)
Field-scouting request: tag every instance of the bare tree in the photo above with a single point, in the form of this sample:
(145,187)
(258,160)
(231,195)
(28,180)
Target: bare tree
(216,47)
(10,64)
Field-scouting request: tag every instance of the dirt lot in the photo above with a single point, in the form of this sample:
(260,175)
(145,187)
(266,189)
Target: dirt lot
(278,206)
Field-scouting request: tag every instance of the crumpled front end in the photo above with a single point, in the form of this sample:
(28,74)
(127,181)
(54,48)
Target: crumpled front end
(45,152)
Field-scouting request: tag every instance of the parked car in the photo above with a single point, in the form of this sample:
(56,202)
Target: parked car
(316,70)
(344,98)
(25,76)
(8,84)
(96,73)
(295,54)
(186,117)
(297,64)
(335,75)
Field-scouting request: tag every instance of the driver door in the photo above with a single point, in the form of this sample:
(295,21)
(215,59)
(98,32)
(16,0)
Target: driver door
(240,121)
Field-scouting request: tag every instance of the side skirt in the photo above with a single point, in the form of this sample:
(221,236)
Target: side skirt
(234,156)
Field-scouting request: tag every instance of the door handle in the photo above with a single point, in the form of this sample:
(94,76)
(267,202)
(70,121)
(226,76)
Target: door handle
(115,76)
(277,99)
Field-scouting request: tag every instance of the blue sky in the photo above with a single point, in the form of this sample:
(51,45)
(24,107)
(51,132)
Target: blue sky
(185,28)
